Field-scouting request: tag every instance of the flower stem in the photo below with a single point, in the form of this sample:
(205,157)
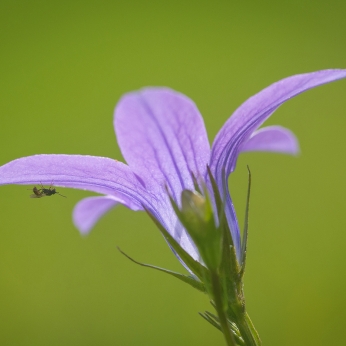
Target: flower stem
(248,331)
(217,294)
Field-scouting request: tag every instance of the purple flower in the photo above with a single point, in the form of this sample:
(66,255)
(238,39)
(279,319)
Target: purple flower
(163,139)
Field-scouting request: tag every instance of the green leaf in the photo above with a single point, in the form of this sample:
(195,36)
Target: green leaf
(236,332)
(229,269)
(232,326)
(210,320)
(214,321)
(185,278)
(195,183)
(218,200)
(223,224)
(197,268)
(197,216)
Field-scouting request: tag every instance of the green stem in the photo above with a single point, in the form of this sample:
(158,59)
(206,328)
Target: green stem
(217,294)
(248,331)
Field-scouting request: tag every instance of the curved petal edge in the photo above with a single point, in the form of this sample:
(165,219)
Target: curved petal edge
(272,139)
(89,210)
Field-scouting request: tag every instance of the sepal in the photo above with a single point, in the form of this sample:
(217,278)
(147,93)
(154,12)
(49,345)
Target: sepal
(195,267)
(196,215)
(215,321)
(212,321)
(202,213)
(229,269)
(185,278)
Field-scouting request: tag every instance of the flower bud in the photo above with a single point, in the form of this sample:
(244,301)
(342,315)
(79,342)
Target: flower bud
(197,216)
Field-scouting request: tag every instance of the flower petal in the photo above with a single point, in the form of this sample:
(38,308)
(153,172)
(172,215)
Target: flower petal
(253,112)
(272,138)
(246,119)
(162,135)
(89,210)
(98,174)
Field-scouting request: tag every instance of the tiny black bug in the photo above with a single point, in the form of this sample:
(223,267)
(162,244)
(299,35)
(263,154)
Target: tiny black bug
(43,192)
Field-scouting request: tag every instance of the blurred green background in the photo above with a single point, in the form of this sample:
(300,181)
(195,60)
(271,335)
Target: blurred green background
(63,67)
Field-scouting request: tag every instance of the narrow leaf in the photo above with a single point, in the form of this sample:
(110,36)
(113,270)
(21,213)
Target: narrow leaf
(214,320)
(221,206)
(210,320)
(195,183)
(214,317)
(185,278)
(218,200)
(229,270)
(198,269)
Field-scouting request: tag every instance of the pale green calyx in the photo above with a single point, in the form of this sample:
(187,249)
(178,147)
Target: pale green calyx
(197,216)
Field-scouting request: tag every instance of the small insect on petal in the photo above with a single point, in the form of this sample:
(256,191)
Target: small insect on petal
(43,192)
(37,193)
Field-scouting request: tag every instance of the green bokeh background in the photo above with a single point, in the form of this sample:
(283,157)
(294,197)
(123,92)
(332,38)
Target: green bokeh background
(63,67)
